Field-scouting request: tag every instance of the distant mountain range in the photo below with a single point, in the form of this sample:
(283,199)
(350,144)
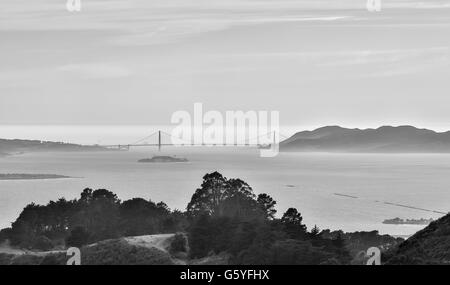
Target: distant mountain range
(386,139)
(8,147)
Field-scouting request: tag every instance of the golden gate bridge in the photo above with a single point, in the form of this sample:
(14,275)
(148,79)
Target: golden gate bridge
(155,139)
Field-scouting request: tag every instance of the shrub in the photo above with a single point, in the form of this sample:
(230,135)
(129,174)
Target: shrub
(6,259)
(179,243)
(120,252)
(78,237)
(42,243)
(4,234)
(54,259)
(27,259)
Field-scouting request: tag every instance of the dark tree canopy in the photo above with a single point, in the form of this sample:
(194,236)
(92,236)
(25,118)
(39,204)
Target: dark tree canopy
(96,215)
(315,232)
(78,237)
(292,221)
(215,190)
(267,204)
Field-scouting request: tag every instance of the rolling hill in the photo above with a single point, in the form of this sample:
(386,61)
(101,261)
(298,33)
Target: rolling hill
(386,139)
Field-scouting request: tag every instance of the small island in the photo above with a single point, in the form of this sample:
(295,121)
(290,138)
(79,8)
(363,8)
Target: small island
(398,221)
(163,158)
(21,176)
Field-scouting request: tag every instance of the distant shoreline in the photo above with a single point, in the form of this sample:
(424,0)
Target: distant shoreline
(398,221)
(22,176)
(10,147)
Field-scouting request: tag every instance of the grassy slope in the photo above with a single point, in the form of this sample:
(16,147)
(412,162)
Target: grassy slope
(428,246)
(108,252)
(139,250)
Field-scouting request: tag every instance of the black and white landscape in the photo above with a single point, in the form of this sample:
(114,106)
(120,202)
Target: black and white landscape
(386,139)
(353,158)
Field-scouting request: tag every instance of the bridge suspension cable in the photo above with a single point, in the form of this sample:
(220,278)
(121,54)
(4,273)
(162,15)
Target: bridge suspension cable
(253,141)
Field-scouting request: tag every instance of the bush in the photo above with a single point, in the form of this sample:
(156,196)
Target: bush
(27,259)
(284,252)
(179,243)
(78,237)
(54,259)
(42,243)
(6,259)
(120,252)
(4,234)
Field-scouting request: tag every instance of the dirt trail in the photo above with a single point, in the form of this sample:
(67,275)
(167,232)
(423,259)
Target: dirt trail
(161,242)
(7,249)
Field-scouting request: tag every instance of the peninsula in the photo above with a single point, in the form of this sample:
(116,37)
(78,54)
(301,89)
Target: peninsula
(22,176)
(16,146)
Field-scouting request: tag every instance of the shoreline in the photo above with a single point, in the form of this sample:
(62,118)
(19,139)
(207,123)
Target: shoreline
(23,176)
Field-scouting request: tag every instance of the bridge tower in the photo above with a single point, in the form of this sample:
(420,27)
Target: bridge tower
(159,141)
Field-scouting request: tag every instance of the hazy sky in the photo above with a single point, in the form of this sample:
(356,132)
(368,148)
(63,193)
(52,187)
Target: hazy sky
(132,62)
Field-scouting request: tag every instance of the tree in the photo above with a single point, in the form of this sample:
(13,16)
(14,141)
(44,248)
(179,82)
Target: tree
(200,236)
(105,196)
(139,217)
(98,213)
(267,204)
(95,216)
(292,221)
(78,237)
(5,234)
(163,207)
(341,251)
(178,243)
(292,217)
(58,217)
(28,226)
(86,196)
(207,198)
(315,232)
(339,241)
(215,189)
(42,243)
(241,206)
(238,186)
(284,252)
